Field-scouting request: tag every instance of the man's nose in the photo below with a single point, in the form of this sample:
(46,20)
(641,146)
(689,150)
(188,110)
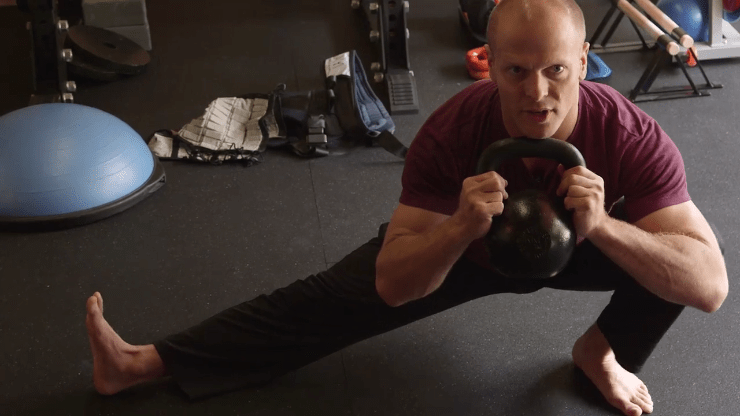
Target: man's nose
(535,86)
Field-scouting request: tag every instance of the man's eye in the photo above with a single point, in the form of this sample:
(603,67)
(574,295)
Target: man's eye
(515,70)
(558,68)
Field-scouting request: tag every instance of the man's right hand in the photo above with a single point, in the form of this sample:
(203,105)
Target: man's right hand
(482,197)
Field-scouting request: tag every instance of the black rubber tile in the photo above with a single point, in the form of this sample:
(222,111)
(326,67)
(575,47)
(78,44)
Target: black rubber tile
(283,398)
(215,236)
(505,354)
(510,354)
(211,238)
(355,193)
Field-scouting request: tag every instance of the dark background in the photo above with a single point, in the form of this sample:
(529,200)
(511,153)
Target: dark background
(215,236)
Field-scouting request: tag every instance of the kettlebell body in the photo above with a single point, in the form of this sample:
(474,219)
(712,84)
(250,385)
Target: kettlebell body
(534,237)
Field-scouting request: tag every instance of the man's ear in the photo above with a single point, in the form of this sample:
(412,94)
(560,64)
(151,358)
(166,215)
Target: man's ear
(490,62)
(584,61)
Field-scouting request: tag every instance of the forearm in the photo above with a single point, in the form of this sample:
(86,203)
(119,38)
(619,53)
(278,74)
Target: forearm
(678,268)
(411,266)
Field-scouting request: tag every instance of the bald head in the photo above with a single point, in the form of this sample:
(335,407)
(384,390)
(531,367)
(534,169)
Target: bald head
(543,12)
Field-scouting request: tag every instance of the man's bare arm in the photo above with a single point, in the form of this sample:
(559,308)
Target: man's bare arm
(672,253)
(421,246)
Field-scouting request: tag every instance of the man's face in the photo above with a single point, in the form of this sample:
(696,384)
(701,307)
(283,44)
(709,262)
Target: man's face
(538,68)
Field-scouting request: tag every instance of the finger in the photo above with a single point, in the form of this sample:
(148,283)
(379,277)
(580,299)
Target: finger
(488,197)
(493,185)
(486,176)
(502,192)
(582,180)
(483,178)
(564,185)
(578,204)
(565,182)
(581,171)
(577,191)
(571,180)
(495,197)
(495,208)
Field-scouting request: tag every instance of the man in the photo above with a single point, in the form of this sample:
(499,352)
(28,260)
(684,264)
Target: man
(662,257)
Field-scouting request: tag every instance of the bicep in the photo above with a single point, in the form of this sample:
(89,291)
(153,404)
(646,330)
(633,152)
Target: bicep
(408,220)
(684,219)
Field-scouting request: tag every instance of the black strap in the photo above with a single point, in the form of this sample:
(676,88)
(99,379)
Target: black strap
(389,142)
(316,122)
(175,147)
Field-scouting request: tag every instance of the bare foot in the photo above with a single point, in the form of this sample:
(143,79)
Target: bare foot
(622,389)
(117,365)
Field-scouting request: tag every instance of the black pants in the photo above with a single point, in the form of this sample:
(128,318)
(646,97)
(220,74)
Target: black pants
(253,343)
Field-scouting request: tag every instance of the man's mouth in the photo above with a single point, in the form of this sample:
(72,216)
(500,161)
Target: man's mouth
(538,116)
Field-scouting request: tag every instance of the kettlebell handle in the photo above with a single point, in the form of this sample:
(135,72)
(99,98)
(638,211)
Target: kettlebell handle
(519,147)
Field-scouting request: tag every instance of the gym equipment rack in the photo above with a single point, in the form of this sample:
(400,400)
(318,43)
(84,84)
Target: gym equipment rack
(389,31)
(641,92)
(724,40)
(50,57)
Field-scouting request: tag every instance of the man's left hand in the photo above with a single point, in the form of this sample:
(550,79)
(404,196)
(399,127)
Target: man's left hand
(584,195)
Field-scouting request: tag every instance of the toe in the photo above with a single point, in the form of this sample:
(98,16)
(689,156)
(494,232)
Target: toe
(627,407)
(645,398)
(647,406)
(644,404)
(92,305)
(633,410)
(99,298)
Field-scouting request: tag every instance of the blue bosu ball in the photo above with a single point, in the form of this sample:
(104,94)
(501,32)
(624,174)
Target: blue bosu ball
(68,164)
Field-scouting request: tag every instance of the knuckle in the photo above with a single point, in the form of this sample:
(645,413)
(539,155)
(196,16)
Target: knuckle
(487,175)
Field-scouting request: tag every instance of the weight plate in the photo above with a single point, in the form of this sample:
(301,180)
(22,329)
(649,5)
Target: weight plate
(107,50)
(81,68)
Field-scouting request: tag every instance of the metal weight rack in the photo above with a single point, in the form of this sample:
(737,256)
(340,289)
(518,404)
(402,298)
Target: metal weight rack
(389,32)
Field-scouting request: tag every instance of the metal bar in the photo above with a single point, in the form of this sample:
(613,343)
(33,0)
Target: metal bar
(603,24)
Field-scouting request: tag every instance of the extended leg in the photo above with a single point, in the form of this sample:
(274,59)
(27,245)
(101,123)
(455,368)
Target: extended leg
(253,343)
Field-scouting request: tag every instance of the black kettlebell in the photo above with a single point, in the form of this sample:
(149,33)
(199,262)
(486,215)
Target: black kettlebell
(534,237)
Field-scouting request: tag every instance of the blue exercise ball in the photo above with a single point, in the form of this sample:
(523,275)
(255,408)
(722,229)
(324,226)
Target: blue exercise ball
(68,164)
(690,15)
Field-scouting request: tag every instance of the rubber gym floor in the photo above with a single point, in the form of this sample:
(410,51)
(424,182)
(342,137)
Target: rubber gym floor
(215,236)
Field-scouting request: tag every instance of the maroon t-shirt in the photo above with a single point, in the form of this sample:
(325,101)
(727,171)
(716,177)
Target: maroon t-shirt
(619,142)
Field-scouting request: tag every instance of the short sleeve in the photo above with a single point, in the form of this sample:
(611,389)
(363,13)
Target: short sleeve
(430,179)
(652,174)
